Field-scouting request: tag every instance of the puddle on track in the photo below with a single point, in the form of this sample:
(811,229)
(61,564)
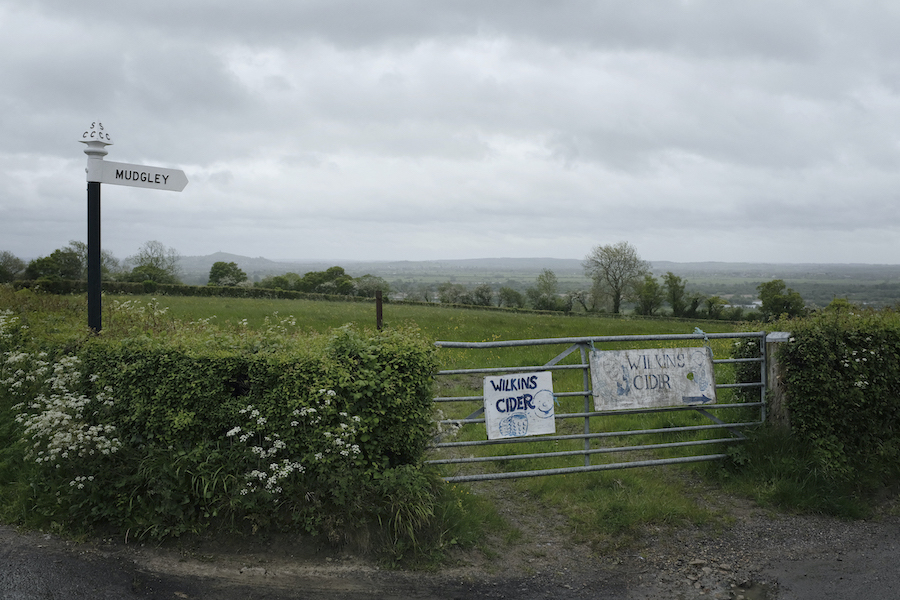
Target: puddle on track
(755,591)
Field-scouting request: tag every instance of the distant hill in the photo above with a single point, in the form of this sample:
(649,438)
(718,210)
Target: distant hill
(195,269)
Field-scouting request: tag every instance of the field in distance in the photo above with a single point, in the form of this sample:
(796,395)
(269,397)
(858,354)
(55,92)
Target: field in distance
(435,321)
(818,284)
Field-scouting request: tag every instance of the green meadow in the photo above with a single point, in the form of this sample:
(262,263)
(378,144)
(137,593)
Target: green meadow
(607,507)
(437,322)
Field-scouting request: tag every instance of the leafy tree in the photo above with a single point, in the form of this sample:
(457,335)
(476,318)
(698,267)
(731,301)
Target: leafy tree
(546,283)
(333,281)
(675,293)
(582,297)
(226,274)
(778,299)
(649,295)
(616,269)
(453,293)
(693,306)
(714,307)
(734,313)
(510,297)
(154,262)
(544,294)
(109,264)
(483,295)
(63,263)
(840,305)
(367,285)
(143,273)
(403,289)
(288,281)
(591,300)
(10,266)
(427,292)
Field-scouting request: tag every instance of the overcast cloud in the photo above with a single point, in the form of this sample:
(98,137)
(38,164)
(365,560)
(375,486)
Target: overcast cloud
(412,130)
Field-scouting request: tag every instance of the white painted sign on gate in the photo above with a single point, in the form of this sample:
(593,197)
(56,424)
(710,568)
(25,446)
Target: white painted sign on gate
(519,405)
(652,378)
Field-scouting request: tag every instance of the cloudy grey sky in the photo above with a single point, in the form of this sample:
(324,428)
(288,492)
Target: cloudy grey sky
(418,129)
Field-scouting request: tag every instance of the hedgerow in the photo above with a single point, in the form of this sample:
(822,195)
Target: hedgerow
(842,376)
(158,428)
(841,372)
(79,286)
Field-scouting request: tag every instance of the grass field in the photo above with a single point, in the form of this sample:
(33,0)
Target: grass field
(606,507)
(438,323)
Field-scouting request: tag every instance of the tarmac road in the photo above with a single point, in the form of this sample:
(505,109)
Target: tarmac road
(37,566)
(855,562)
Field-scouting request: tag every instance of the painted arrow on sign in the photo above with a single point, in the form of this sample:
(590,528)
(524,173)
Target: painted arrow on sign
(157,178)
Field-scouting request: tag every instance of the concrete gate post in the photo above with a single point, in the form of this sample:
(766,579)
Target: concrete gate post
(777,412)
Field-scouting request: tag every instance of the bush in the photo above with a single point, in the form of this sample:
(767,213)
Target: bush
(169,431)
(842,388)
(66,286)
(842,377)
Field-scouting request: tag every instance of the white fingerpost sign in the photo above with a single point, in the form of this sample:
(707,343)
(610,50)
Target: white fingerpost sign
(157,178)
(652,378)
(519,405)
(100,171)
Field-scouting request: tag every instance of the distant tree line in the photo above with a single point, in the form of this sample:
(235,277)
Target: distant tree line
(333,281)
(156,263)
(152,262)
(618,277)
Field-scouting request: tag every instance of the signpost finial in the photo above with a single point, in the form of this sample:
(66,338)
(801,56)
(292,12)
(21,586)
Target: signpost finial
(97,139)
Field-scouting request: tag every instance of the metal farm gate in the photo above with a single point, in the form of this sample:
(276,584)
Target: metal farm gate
(585,438)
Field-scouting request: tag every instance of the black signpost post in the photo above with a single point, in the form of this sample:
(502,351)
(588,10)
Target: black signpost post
(93,256)
(101,171)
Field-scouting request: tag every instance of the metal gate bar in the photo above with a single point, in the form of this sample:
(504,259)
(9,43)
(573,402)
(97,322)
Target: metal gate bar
(568,470)
(591,436)
(612,449)
(583,344)
(604,413)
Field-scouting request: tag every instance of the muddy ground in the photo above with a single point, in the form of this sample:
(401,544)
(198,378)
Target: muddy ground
(756,554)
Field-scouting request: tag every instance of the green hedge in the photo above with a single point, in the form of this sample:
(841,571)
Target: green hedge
(158,435)
(62,286)
(186,394)
(842,385)
(842,376)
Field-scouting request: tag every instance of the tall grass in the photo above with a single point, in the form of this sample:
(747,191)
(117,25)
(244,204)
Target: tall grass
(440,323)
(775,469)
(610,509)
